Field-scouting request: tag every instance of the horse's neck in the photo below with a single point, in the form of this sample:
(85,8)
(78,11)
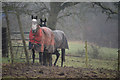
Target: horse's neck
(43,30)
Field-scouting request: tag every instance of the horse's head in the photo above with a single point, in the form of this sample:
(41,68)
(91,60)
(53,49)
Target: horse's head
(34,24)
(43,23)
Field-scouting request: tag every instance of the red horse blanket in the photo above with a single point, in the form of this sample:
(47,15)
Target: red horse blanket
(43,39)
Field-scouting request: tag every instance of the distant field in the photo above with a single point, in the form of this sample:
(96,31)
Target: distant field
(77,47)
(74,46)
(107,57)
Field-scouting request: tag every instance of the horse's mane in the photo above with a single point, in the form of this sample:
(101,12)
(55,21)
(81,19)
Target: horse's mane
(44,31)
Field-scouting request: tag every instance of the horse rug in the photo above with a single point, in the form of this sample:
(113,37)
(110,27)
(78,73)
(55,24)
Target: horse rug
(60,40)
(42,40)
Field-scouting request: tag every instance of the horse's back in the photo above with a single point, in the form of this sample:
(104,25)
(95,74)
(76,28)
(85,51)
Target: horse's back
(46,28)
(60,39)
(47,32)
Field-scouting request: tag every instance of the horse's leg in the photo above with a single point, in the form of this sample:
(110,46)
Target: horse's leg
(50,59)
(62,57)
(47,59)
(40,58)
(57,55)
(33,56)
(44,58)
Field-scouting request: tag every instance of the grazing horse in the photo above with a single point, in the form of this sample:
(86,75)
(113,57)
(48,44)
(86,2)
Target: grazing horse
(41,39)
(60,43)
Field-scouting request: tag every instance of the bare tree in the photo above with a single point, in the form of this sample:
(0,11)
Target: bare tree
(9,38)
(16,8)
(55,8)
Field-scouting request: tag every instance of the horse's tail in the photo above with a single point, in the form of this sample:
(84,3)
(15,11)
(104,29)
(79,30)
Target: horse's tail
(63,55)
(65,42)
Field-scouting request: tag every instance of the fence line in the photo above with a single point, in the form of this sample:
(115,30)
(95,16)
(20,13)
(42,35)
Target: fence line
(17,33)
(14,38)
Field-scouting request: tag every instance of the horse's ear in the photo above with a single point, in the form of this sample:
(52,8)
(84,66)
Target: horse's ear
(36,17)
(40,20)
(45,20)
(32,17)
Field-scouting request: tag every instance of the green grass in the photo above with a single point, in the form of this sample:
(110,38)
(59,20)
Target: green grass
(77,48)
(92,63)
(74,46)
(108,53)
(107,56)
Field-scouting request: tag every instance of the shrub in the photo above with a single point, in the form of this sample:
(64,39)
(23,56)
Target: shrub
(81,53)
(94,53)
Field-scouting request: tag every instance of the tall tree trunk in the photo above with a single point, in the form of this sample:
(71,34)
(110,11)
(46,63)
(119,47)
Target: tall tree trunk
(23,39)
(9,39)
(55,8)
(52,19)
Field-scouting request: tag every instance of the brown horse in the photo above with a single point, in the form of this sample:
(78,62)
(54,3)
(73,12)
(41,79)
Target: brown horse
(61,43)
(41,39)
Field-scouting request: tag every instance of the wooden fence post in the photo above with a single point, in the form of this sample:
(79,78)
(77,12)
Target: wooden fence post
(23,39)
(119,39)
(86,53)
(9,38)
(118,63)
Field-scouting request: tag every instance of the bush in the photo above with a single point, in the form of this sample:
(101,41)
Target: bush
(81,53)
(94,53)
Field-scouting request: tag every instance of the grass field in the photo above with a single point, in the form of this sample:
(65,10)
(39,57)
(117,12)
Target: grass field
(107,57)
(77,48)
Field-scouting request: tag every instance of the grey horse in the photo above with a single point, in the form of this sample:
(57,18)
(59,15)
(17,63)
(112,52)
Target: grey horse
(60,43)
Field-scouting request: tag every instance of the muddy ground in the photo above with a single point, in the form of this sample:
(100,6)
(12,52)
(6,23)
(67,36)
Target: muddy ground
(22,70)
